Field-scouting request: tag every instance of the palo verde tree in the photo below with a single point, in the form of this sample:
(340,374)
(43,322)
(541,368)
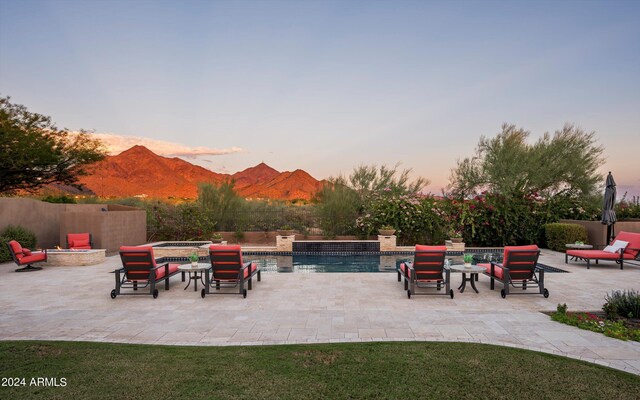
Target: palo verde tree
(562,163)
(34,152)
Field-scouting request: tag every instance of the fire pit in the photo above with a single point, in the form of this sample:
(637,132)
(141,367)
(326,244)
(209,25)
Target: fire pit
(65,257)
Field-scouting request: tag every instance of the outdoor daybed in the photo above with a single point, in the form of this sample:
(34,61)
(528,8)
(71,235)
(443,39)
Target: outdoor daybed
(628,252)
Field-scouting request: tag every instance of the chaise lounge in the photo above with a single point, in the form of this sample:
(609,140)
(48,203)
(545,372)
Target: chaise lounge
(426,271)
(228,271)
(628,252)
(139,267)
(519,268)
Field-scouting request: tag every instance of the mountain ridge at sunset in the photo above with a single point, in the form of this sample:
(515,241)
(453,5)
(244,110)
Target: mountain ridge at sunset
(140,172)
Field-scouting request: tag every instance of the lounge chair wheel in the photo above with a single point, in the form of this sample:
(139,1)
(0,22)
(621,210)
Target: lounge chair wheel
(409,294)
(113,294)
(155,294)
(202,293)
(545,293)
(503,293)
(451,293)
(244,294)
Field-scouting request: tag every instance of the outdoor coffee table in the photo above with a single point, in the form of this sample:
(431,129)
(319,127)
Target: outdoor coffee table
(471,270)
(195,273)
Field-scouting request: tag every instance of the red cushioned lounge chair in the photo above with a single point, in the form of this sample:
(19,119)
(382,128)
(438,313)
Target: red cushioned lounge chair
(23,256)
(79,241)
(519,268)
(630,252)
(139,268)
(228,270)
(426,271)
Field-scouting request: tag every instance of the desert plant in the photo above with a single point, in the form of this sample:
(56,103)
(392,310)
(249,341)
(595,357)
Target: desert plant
(23,236)
(558,235)
(622,304)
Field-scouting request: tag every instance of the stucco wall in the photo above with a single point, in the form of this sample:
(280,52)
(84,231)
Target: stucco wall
(110,225)
(597,232)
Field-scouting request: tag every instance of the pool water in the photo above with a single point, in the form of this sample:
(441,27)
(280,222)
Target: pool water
(329,263)
(314,263)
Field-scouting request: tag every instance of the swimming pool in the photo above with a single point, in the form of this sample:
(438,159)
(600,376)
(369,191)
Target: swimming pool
(312,263)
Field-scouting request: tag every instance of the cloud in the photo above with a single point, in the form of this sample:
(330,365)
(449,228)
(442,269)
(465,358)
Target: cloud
(116,144)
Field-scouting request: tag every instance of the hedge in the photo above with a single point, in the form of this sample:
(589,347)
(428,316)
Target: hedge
(558,235)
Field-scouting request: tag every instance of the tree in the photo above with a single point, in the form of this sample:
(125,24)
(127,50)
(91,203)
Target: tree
(367,179)
(563,163)
(34,152)
(221,203)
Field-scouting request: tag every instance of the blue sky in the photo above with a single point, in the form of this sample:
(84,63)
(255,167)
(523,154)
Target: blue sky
(326,86)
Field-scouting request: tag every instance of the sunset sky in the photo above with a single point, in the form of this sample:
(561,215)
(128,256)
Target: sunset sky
(325,86)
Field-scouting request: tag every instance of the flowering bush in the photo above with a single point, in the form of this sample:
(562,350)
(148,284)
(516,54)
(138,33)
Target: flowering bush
(416,218)
(628,209)
(592,322)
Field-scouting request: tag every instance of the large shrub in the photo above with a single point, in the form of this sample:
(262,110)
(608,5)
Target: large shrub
(416,218)
(622,304)
(25,237)
(558,235)
(490,220)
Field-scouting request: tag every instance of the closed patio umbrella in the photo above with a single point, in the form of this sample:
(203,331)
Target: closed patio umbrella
(608,212)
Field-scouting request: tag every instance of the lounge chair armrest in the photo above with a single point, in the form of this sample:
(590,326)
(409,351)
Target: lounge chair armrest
(246,265)
(117,270)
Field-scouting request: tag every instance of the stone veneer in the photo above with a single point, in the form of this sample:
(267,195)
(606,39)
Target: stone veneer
(285,243)
(387,243)
(75,258)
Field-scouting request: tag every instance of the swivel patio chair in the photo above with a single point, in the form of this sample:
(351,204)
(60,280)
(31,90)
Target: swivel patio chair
(23,256)
(519,268)
(426,271)
(139,268)
(79,241)
(228,271)
(618,254)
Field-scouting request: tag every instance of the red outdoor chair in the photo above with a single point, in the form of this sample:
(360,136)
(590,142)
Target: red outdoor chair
(519,269)
(229,271)
(630,252)
(426,271)
(23,256)
(139,268)
(80,241)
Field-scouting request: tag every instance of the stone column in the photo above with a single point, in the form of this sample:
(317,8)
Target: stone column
(454,246)
(387,243)
(285,243)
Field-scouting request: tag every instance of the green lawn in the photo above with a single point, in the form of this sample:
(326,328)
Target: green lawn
(321,371)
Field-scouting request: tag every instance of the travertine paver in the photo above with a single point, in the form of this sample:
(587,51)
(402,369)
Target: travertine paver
(73,303)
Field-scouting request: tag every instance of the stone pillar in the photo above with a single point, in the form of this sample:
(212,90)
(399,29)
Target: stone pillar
(285,243)
(387,243)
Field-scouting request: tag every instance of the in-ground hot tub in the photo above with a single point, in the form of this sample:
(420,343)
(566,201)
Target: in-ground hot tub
(66,257)
(180,248)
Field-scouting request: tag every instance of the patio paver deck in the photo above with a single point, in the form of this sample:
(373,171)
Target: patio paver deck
(73,303)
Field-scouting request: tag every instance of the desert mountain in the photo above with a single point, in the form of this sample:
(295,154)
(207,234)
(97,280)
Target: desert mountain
(140,172)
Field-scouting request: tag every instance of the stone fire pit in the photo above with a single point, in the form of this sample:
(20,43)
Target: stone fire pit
(64,257)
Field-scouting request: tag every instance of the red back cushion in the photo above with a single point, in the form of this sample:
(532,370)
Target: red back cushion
(634,242)
(421,247)
(16,248)
(231,248)
(507,249)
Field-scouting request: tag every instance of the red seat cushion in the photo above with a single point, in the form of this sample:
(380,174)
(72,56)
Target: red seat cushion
(160,272)
(26,251)
(251,269)
(80,244)
(34,257)
(498,272)
(599,254)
